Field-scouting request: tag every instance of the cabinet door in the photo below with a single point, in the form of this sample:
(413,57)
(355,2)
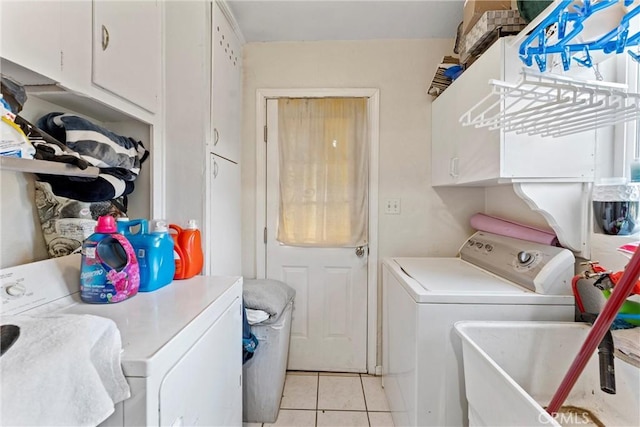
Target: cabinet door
(444,155)
(30,35)
(226,88)
(205,386)
(466,154)
(127,50)
(224,249)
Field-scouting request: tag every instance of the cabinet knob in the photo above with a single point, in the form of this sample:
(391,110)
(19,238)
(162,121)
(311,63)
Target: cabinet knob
(105,38)
(215,169)
(216,136)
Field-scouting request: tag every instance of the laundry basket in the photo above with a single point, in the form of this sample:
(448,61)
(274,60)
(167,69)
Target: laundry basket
(264,374)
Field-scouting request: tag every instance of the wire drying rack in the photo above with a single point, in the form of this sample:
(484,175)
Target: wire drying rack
(552,105)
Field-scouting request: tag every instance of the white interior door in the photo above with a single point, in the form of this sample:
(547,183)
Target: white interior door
(329,326)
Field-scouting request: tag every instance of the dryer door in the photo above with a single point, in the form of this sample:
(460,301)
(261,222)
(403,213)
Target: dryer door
(204,387)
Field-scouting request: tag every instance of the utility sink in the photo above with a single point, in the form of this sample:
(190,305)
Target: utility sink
(513,369)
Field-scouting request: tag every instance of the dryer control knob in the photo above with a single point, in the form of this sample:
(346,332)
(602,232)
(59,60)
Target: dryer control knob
(524,257)
(15,290)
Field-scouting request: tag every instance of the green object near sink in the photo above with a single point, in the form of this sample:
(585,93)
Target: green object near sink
(628,307)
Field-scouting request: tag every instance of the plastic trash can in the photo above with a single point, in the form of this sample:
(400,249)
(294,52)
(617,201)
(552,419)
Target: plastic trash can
(264,373)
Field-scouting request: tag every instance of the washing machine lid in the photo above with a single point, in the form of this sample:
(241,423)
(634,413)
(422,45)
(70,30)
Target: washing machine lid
(158,327)
(454,281)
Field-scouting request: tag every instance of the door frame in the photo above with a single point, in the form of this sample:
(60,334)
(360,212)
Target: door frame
(373,116)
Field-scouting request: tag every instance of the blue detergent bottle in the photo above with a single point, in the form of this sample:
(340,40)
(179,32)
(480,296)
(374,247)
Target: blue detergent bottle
(154,252)
(163,255)
(109,270)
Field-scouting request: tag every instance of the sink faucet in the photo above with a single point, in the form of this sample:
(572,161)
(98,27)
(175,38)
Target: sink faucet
(605,355)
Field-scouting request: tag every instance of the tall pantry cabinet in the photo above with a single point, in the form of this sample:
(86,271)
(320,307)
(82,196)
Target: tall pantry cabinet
(203,81)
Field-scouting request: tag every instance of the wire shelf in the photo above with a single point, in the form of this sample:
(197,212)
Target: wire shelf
(552,105)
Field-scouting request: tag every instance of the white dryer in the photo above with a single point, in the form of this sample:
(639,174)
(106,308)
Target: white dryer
(495,278)
(182,352)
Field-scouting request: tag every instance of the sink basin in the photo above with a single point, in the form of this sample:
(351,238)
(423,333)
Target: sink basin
(513,369)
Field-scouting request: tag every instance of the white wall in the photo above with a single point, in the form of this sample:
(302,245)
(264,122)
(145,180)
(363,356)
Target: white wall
(21,238)
(433,222)
(503,202)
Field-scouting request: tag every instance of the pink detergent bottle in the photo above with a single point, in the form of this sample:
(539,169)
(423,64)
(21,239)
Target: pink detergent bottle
(109,270)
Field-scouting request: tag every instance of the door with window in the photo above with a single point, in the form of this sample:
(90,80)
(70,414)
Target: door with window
(317,226)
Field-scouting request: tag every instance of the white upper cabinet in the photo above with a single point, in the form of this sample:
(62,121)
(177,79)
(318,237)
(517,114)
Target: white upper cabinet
(30,35)
(56,48)
(470,156)
(127,50)
(226,89)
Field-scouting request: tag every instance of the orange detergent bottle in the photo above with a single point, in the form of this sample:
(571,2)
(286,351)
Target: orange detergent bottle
(188,254)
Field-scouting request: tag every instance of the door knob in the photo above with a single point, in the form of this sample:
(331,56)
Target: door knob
(360,251)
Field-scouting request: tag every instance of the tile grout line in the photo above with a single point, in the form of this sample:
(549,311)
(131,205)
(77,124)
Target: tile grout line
(317,408)
(317,396)
(364,396)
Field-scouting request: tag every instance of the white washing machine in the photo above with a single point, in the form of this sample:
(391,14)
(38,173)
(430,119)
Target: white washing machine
(182,353)
(495,278)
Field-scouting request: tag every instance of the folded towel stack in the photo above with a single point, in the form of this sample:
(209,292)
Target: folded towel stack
(62,370)
(267,295)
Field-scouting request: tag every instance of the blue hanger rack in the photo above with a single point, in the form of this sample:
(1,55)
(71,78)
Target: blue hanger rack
(569,18)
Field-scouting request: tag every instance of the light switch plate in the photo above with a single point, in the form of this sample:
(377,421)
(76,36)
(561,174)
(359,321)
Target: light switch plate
(392,207)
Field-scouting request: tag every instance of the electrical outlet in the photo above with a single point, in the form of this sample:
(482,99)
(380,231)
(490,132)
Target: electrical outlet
(392,207)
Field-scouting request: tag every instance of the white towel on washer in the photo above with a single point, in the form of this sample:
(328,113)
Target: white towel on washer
(62,370)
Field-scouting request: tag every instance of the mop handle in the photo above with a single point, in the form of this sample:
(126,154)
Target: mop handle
(600,327)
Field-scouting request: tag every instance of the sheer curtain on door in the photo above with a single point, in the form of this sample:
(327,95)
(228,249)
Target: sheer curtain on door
(323,172)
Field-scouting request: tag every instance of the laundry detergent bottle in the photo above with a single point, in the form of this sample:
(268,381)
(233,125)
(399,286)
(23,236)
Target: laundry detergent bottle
(188,242)
(178,255)
(154,252)
(162,258)
(109,270)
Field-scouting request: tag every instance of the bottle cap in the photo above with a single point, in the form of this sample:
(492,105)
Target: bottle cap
(106,224)
(192,224)
(160,227)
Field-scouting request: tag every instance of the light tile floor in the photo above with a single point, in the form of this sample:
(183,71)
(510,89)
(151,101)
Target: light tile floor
(312,399)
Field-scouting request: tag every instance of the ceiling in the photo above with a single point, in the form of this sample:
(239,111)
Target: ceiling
(312,20)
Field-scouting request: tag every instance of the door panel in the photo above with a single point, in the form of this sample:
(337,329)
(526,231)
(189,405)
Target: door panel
(329,322)
(127,50)
(337,301)
(226,88)
(225,253)
(205,386)
(298,278)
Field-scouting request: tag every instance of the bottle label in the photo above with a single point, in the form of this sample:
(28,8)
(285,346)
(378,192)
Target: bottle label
(89,252)
(109,271)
